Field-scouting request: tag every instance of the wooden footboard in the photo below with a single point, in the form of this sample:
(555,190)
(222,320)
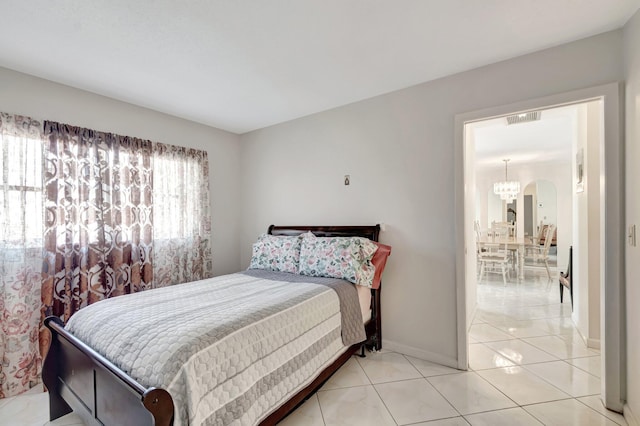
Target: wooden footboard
(81,380)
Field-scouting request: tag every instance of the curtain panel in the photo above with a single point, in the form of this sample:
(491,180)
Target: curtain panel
(89,215)
(20,252)
(98,223)
(182,225)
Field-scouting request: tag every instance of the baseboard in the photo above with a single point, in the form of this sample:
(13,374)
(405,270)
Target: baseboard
(631,419)
(593,343)
(419,353)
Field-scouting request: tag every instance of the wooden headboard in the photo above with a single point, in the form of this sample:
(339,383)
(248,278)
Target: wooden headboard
(371,232)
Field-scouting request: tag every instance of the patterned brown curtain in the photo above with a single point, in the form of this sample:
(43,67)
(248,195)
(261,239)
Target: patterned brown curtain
(98,217)
(181,242)
(78,226)
(20,252)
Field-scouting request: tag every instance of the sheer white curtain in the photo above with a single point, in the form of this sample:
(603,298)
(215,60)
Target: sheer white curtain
(181,219)
(20,252)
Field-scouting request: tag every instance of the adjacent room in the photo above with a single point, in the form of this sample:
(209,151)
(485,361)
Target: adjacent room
(319,213)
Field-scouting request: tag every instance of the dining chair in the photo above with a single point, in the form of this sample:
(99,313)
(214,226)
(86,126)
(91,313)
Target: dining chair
(566,278)
(540,253)
(504,231)
(500,229)
(542,233)
(476,229)
(493,258)
(539,238)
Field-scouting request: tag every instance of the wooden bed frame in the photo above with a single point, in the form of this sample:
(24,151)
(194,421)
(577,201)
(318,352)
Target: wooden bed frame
(81,380)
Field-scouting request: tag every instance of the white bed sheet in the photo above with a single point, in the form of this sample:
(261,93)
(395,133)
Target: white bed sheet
(364,296)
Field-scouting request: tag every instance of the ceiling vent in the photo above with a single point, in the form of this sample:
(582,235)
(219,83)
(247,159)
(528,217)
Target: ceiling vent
(525,117)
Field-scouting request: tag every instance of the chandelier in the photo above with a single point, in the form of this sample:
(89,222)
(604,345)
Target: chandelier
(507,190)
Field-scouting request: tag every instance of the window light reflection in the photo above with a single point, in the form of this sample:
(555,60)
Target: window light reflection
(513,355)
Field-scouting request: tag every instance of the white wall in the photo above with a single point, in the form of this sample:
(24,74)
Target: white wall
(547,200)
(399,150)
(45,100)
(532,190)
(632,96)
(494,211)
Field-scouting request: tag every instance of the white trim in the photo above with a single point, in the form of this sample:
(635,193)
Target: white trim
(612,300)
(461,249)
(419,353)
(629,416)
(612,190)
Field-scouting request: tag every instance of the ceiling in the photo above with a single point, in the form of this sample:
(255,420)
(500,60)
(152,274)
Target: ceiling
(548,140)
(241,65)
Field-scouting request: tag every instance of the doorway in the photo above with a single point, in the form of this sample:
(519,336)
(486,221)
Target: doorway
(609,250)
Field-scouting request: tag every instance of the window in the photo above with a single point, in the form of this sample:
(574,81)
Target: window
(21,185)
(177,186)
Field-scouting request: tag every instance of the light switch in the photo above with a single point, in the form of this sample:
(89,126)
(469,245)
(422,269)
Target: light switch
(632,235)
(347,179)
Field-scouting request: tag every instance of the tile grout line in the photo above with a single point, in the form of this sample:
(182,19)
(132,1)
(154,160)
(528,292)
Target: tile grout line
(317,396)
(425,378)
(385,404)
(373,385)
(620,424)
(581,369)
(496,388)
(540,377)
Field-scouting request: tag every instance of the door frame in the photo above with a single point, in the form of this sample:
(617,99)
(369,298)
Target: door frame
(612,305)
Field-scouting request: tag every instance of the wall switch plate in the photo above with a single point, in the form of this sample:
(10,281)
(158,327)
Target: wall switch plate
(631,235)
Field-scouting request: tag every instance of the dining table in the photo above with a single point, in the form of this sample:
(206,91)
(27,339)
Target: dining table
(518,244)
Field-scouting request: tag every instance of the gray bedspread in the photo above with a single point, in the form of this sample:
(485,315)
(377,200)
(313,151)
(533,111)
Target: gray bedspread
(352,327)
(229,349)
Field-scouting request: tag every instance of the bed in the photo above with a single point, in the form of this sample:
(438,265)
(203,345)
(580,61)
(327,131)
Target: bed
(79,378)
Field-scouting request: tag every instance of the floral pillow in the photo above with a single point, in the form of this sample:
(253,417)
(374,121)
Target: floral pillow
(348,258)
(276,253)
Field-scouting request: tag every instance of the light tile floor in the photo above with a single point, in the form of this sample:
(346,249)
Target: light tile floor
(528,366)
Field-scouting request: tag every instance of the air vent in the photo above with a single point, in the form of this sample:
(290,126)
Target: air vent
(525,117)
